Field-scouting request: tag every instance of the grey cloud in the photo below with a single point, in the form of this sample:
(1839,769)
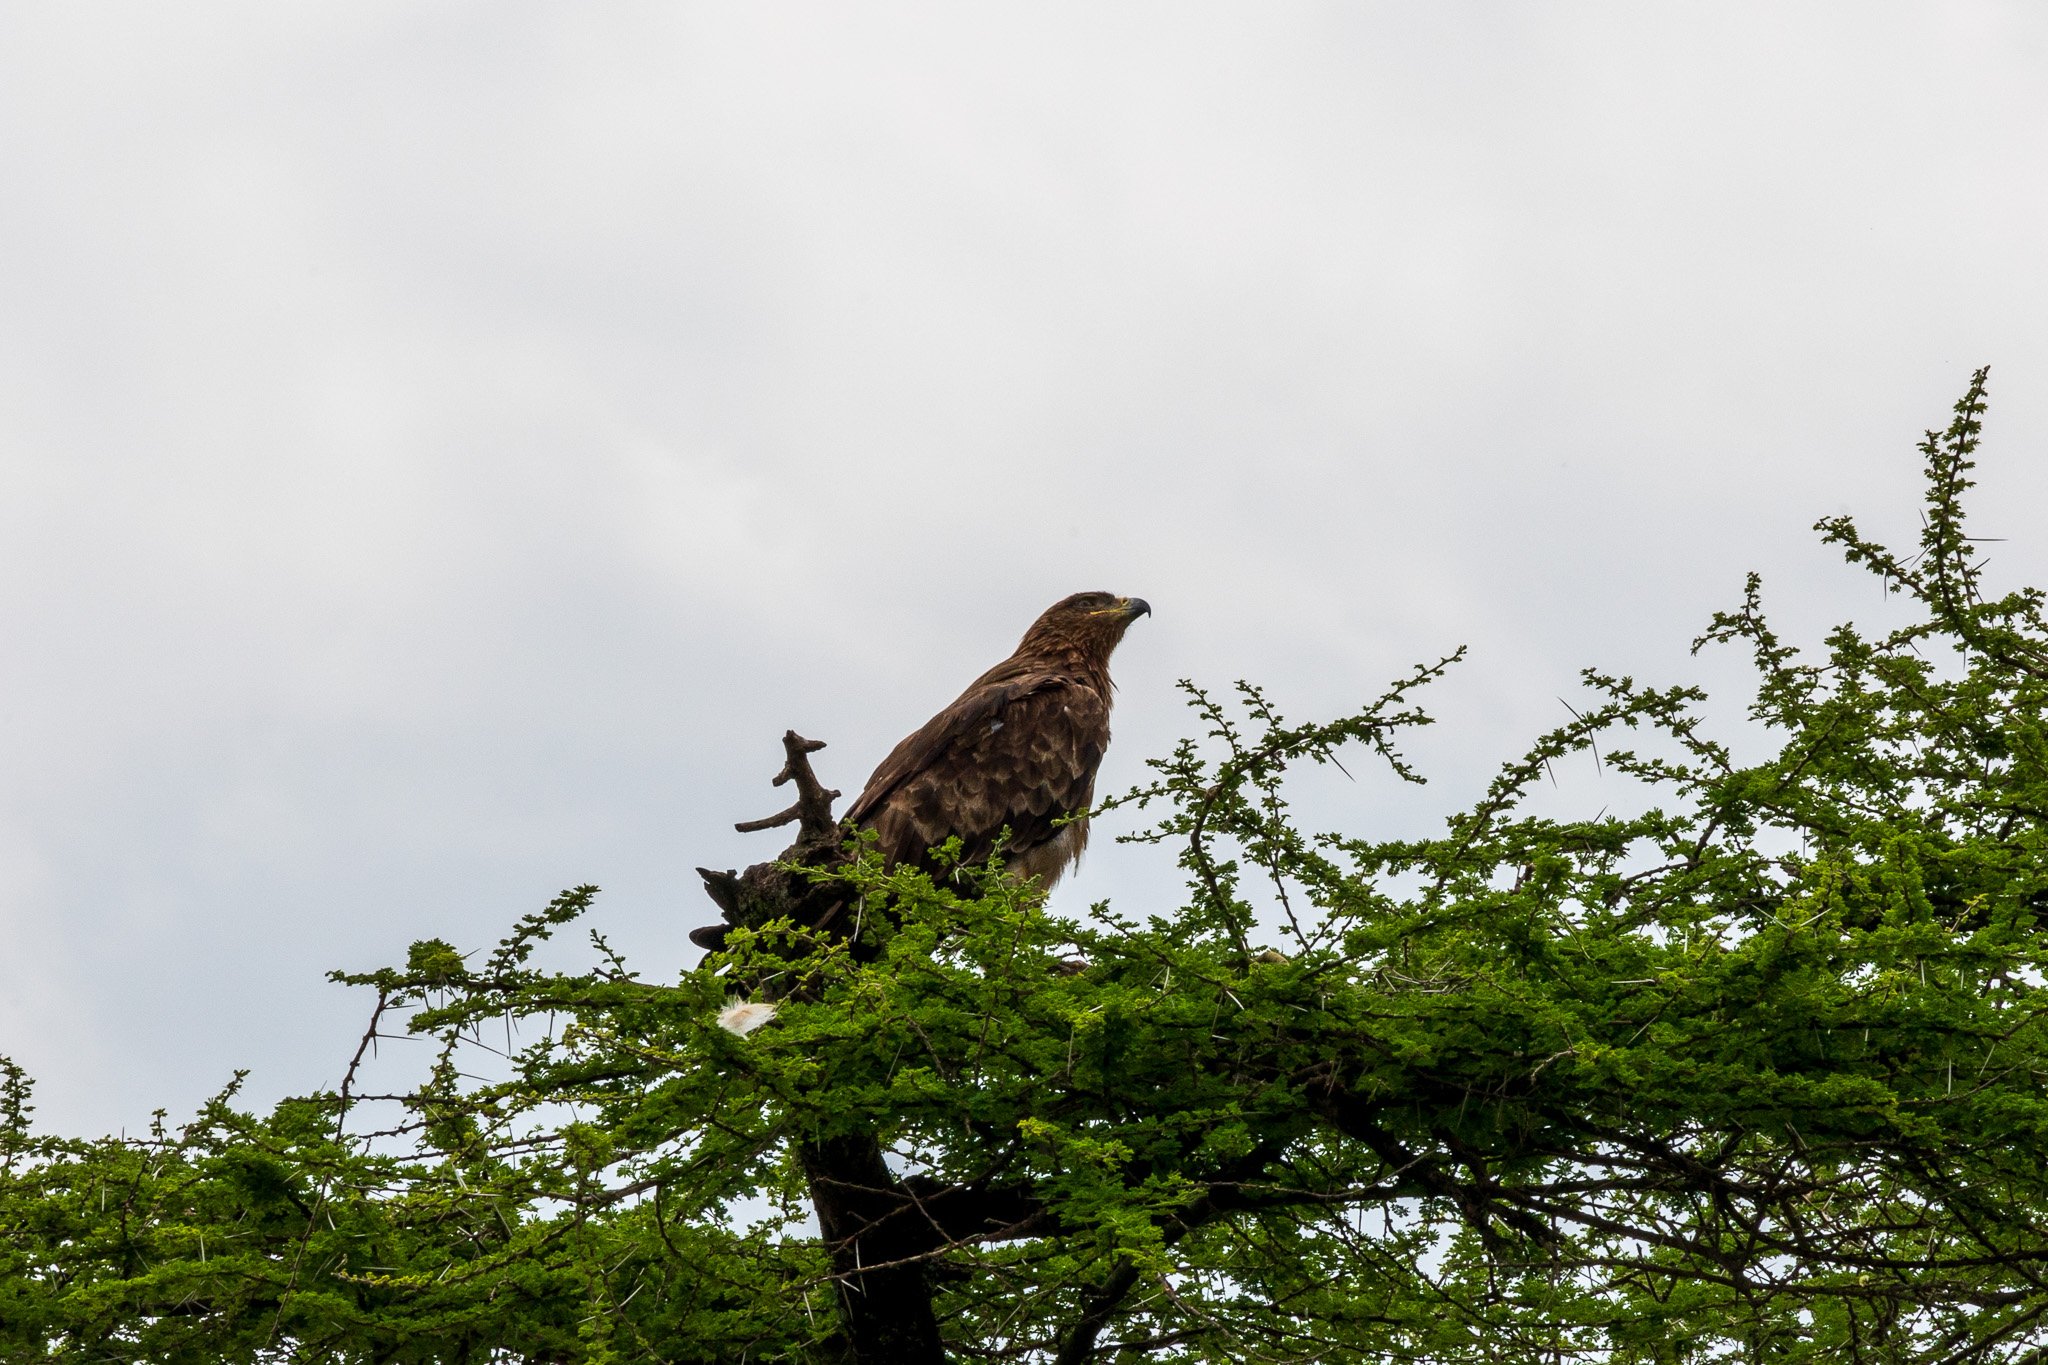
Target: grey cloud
(444,448)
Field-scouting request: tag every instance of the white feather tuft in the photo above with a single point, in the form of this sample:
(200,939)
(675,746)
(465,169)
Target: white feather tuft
(745,1017)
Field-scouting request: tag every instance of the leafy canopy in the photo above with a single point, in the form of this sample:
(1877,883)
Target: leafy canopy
(1754,1072)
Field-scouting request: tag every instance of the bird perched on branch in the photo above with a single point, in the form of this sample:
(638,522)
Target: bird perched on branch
(1016,751)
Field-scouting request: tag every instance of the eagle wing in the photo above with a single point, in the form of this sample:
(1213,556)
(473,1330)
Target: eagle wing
(1014,751)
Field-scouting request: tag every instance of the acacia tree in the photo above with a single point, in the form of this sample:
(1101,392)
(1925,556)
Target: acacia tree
(1755,1071)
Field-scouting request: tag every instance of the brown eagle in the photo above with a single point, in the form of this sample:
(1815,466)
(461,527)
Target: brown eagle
(1017,750)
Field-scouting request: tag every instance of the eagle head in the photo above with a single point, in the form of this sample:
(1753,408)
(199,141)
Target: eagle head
(1085,626)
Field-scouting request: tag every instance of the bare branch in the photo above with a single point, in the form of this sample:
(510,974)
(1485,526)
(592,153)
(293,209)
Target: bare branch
(813,804)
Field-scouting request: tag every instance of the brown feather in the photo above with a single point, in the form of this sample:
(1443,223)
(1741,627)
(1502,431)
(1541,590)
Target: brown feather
(1017,750)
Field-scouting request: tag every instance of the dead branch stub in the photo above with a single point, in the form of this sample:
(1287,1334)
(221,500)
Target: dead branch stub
(774,890)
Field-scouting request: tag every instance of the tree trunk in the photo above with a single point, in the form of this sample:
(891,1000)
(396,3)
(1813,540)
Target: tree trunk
(887,1310)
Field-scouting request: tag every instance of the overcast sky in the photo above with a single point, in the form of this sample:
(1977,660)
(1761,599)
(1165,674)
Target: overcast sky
(443,446)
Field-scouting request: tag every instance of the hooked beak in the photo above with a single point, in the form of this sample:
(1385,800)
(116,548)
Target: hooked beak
(1134,607)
